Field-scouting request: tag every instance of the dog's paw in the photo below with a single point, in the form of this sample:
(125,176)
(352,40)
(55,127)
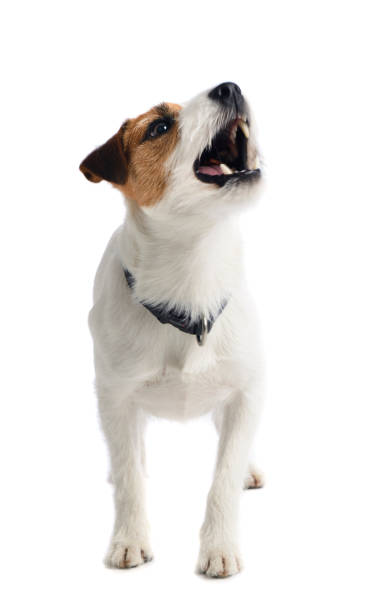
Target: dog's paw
(124,555)
(219,562)
(254,478)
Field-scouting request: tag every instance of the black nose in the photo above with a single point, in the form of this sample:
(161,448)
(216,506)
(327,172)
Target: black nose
(228,94)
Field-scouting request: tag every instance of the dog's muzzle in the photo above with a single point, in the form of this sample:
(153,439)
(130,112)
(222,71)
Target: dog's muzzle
(229,95)
(225,160)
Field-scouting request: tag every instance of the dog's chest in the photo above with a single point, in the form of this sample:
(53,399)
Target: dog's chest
(187,384)
(178,394)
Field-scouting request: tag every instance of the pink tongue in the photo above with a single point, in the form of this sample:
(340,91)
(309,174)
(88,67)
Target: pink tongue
(212,170)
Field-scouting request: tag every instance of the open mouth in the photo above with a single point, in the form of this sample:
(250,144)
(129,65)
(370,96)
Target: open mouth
(226,158)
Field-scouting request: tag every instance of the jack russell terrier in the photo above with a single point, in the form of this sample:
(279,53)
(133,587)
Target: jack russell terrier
(175,332)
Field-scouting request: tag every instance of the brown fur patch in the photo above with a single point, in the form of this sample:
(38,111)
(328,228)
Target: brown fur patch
(132,164)
(107,162)
(147,176)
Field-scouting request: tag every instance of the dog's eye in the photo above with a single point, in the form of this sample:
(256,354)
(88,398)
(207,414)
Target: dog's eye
(158,128)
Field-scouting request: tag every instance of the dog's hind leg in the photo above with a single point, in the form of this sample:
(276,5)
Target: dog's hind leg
(123,426)
(219,551)
(254,477)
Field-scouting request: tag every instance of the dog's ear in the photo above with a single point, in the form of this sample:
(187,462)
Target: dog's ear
(107,162)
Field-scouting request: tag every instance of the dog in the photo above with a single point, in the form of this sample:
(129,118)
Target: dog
(175,332)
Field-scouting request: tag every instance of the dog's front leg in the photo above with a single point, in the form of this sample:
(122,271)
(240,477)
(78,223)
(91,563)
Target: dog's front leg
(123,428)
(219,551)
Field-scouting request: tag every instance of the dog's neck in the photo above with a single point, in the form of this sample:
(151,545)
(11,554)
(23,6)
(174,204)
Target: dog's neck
(190,264)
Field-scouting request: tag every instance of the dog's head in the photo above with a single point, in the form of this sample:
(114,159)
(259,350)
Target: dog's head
(182,157)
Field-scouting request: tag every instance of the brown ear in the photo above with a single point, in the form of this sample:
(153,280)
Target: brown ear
(107,162)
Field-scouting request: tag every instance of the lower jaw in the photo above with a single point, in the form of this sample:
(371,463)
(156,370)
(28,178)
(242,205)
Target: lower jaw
(241,176)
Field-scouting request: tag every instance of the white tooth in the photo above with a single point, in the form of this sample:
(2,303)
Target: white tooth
(256,163)
(244,128)
(225,169)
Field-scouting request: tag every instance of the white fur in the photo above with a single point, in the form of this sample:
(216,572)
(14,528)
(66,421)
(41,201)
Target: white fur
(185,250)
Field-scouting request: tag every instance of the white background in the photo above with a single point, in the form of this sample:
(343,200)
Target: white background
(72,72)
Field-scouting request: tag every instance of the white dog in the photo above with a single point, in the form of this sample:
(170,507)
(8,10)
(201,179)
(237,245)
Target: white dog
(174,330)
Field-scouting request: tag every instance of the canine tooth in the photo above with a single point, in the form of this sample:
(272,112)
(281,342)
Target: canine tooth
(225,169)
(244,128)
(256,163)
